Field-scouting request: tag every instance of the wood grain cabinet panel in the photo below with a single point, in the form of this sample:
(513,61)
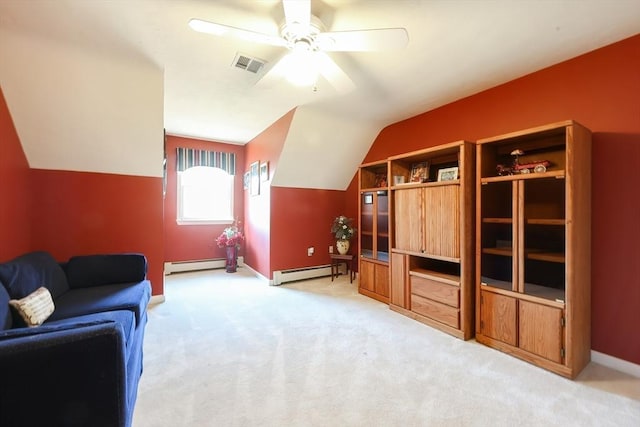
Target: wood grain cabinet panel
(498,317)
(367,276)
(409,219)
(399,272)
(442,221)
(540,330)
(440,312)
(437,291)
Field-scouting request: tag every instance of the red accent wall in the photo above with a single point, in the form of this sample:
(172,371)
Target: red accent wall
(301,218)
(601,90)
(196,242)
(259,209)
(80,213)
(14,189)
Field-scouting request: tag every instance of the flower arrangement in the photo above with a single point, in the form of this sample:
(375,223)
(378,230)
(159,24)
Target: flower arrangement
(342,228)
(231,236)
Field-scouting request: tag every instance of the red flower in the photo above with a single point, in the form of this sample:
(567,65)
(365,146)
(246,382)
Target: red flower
(231,236)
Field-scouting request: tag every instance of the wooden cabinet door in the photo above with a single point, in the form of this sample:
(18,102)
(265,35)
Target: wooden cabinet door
(367,276)
(442,221)
(540,330)
(399,270)
(409,219)
(381,280)
(498,317)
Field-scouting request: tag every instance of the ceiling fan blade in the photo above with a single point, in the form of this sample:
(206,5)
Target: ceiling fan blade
(297,11)
(334,74)
(363,40)
(274,74)
(239,33)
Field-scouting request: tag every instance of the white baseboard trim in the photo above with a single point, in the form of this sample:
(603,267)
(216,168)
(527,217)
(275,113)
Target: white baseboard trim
(156,299)
(615,363)
(196,265)
(258,275)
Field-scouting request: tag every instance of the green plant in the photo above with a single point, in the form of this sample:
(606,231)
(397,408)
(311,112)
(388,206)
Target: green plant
(342,228)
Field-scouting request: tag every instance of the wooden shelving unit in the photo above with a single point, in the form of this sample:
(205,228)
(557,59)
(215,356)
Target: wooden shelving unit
(432,239)
(373,232)
(533,247)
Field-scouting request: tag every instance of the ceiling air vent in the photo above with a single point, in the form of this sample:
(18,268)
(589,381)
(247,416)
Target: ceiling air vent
(247,63)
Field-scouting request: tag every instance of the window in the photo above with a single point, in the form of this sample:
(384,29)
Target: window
(205,196)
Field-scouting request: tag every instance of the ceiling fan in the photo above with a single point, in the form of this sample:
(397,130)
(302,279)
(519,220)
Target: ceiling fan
(303,35)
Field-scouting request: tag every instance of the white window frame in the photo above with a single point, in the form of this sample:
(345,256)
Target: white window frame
(182,220)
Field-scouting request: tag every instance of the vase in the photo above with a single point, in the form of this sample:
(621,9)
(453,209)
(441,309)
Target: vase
(343,246)
(232,259)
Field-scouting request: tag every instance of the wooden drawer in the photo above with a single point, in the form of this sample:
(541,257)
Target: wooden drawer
(437,291)
(440,312)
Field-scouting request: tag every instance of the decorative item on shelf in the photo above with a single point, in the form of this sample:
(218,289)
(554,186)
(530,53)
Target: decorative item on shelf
(381,180)
(231,238)
(398,179)
(448,174)
(343,230)
(537,166)
(420,172)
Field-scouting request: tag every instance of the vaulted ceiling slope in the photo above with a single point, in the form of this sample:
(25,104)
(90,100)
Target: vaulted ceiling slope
(456,48)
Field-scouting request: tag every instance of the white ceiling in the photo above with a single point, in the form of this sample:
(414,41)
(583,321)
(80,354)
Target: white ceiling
(456,48)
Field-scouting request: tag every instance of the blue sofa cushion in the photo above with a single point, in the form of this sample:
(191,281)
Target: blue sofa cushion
(24,274)
(97,270)
(5,312)
(126,296)
(123,317)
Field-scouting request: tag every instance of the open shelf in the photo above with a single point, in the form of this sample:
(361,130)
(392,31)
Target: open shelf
(559,174)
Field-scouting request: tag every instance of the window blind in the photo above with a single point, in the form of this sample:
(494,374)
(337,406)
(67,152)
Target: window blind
(189,157)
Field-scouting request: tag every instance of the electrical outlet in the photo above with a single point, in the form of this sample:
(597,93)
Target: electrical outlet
(310,251)
(331,249)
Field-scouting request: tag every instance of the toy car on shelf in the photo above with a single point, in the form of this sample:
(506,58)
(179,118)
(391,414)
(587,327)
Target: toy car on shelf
(538,166)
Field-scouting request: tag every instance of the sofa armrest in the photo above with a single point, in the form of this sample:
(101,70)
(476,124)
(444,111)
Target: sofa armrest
(97,270)
(65,377)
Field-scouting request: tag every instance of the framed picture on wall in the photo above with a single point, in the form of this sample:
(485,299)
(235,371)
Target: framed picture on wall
(264,171)
(255,178)
(246,180)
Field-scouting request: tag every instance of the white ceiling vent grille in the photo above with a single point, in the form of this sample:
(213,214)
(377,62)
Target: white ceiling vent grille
(247,63)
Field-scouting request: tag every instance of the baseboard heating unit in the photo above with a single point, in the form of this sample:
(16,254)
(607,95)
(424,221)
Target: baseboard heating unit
(204,264)
(295,274)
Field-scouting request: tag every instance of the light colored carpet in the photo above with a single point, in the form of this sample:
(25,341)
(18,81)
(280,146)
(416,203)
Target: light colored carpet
(229,350)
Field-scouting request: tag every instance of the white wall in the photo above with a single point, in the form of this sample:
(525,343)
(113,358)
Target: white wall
(322,150)
(79,110)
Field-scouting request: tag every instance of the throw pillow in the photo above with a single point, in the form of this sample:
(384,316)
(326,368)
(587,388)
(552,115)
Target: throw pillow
(35,308)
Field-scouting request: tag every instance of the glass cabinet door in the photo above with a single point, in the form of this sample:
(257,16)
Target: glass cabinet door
(382,222)
(497,231)
(366,224)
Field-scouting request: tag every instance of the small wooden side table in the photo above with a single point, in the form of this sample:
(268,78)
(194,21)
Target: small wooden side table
(349,262)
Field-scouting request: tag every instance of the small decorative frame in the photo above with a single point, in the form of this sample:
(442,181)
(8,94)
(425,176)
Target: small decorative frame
(448,174)
(368,199)
(255,178)
(419,172)
(247,180)
(264,171)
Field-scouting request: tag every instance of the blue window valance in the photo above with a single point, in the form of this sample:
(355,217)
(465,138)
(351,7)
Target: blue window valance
(189,157)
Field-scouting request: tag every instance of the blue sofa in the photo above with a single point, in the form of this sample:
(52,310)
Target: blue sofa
(81,367)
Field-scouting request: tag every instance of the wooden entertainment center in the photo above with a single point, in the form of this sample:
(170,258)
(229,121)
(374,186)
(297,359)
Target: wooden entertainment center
(490,239)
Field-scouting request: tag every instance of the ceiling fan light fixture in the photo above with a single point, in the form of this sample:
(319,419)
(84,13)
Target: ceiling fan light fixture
(302,69)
